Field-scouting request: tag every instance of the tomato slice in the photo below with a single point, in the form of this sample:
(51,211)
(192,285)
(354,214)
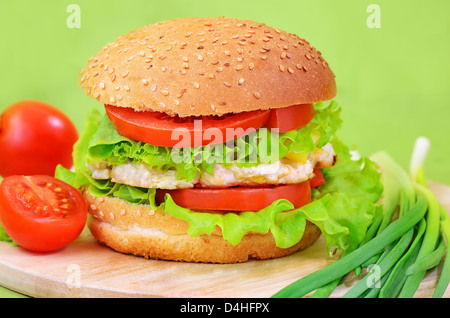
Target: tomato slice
(160,129)
(41,213)
(318,178)
(237,198)
(290,118)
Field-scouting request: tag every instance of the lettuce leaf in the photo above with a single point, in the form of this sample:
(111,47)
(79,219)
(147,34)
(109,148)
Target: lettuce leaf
(104,144)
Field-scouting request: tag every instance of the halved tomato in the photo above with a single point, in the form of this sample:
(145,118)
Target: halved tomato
(41,213)
(160,129)
(237,198)
(290,118)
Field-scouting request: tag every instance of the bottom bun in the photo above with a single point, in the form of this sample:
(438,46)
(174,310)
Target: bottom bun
(141,231)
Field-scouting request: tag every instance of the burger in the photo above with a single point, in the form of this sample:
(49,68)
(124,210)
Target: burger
(217,144)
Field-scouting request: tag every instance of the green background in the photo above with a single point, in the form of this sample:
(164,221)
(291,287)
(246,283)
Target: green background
(393,82)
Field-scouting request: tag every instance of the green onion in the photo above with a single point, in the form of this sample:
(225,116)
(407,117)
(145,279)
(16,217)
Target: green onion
(428,262)
(397,252)
(345,264)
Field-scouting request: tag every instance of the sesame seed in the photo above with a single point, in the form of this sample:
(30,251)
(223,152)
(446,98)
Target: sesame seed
(241,81)
(308,56)
(142,53)
(263,57)
(96,95)
(183,72)
(119,97)
(304,68)
(239,67)
(117,88)
(122,212)
(211,76)
(257,95)
(148,60)
(176,101)
(185,59)
(125,74)
(220,69)
(112,99)
(111,215)
(165,92)
(153,88)
(162,105)
(200,58)
(102,85)
(126,87)
(163,68)
(281,67)
(93,207)
(130,58)
(251,66)
(227,84)
(298,66)
(196,85)
(290,70)
(144,81)
(213,108)
(185,65)
(283,55)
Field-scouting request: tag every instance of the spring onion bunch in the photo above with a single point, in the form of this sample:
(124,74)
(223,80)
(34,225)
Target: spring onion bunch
(408,236)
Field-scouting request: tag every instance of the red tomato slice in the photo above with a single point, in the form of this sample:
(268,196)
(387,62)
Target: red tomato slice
(318,178)
(290,118)
(160,129)
(237,198)
(41,213)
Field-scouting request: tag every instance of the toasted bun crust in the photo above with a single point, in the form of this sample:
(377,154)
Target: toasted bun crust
(208,66)
(141,231)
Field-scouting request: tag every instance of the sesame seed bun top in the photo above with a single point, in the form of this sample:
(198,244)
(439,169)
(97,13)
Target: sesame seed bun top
(208,66)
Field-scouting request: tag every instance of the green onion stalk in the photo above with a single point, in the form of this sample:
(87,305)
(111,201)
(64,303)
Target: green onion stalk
(409,235)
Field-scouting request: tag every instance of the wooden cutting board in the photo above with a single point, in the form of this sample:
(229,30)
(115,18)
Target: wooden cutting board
(87,269)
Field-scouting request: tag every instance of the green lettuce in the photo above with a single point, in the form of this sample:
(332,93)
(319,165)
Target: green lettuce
(342,208)
(102,143)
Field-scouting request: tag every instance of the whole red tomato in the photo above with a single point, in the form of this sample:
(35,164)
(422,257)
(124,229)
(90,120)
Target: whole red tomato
(34,138)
